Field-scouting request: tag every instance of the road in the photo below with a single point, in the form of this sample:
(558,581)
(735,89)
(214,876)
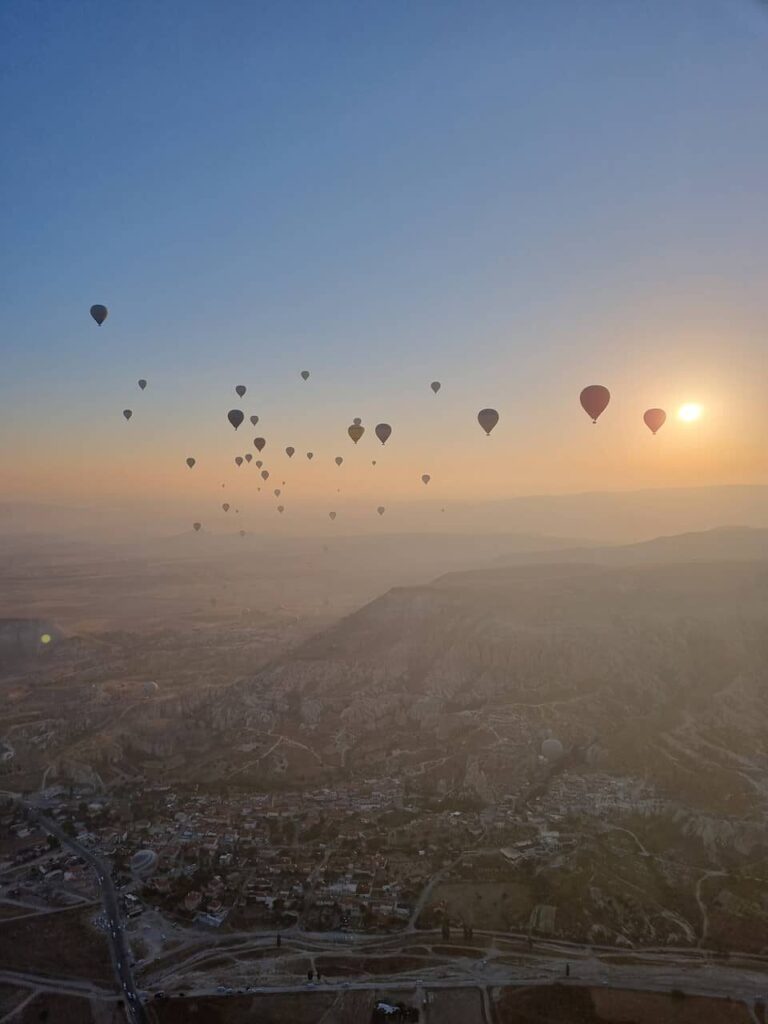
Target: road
(116,937)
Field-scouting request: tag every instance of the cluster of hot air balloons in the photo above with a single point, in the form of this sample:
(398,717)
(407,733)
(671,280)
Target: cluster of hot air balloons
(594,399)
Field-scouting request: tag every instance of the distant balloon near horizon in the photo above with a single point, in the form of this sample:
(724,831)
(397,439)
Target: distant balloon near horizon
(381,510)
(277,492)
(142,383)
(654,419)
(191,462)
(487,418)
(435,385)
(290,451)
(240,389)
(338,460)
(259,443)
(281,509)
(235,417)
(305,374)
(225,506)
(310,455)
(552,749)
(265,474)
(248,456)
(383,431)
(254,419)
(238,460)
(196,527)
(127,413)
(594,400)
(259,463)
(425,478)
(356,431)
(99,313)
(331,515)
(242,533)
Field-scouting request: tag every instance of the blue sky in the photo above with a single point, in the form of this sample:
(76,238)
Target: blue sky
(517,198)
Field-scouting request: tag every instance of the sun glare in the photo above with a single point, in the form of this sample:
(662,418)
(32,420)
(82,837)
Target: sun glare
(689,412)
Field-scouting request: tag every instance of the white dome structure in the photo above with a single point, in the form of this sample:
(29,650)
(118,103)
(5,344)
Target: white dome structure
(143,863)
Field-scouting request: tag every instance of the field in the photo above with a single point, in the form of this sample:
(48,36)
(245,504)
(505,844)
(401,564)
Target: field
(62,944)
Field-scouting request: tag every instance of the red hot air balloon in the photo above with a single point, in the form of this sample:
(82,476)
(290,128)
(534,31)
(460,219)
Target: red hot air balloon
(654,419)
(594,400)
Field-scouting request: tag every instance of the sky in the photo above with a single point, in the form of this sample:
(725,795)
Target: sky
(515,199)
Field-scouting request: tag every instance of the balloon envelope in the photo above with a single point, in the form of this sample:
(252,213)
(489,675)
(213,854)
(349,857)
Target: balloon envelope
(142,383)
(310,455)
(265,474)
(487,418)
(426,478)
(190,462)
(248,457)
(277,492)
(241,389)
(654,419)
(281,508)
(289,451)
(552,749)
(383,430)
(338,460)
(127,413)
(235,417)
(259,463)
(238,460)
(331,515)
(225,506)
(356,432)
(305,374)
(594,400)
(381,510)
(254,419)
(196,527)
(258,443)
(99,313)
(435,385)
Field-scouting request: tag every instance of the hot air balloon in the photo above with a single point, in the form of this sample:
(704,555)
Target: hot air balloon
(654,419)
(552,749)
(425,478)
(277,492)
(382,431)
(305,374)
(238,460)
(265,474)
(289,451)
(338,460)
(310,455)
(241,389)
(247,456)
(356,431)
(190,462)
(142,383)
(254,419)
(373,462)
(259,463)
(488,418)
(281,508)
(196,527)
(127,413)
(225,506)
(242,533)
(99,313)
(331,515)
(594,400)
(381,510)
(235,417)
(258,443)
(435,385)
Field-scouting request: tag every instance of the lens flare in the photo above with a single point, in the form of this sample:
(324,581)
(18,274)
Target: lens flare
(689,412)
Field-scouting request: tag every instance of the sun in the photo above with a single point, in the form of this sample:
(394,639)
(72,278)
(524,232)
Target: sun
(689,412)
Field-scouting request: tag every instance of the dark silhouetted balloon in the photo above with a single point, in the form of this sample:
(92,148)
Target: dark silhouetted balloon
(310,455)
(552,749)
(258,443)
(356,431)
(331,515)
(381,510)
(305,374)
(254,419)
(242,533)
(127,413)
(488,418)
(238,460)
(248,456)
(383,431)
(265,474)
(435,385)
(281,508)
(654,419)
(338,460)
(277,492)
(241,389)
(225,506)
(142,383)
(196,527)
(190,462)
(259,463)
(373,462)
(99,313)
(594,400)
(235,417)
(425,478)
(289,451)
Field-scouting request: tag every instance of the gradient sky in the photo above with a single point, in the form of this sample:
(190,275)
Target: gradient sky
(518,199)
